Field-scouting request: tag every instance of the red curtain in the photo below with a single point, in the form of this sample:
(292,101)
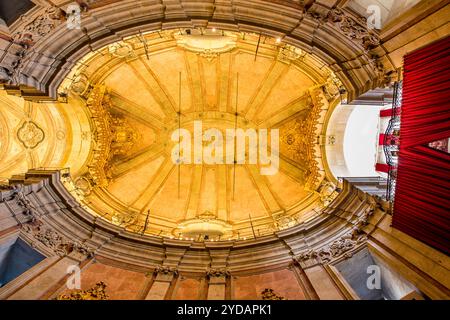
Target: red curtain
(388,139)
(386,113)
(382,167)
(422,199)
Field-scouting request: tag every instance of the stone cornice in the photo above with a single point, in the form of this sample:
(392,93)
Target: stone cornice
(342,41)
(334,232)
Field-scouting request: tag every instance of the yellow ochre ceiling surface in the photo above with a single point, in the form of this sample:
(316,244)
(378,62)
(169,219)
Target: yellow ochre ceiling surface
(120,104)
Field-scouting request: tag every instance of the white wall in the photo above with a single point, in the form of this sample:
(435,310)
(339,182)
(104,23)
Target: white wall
(356,129)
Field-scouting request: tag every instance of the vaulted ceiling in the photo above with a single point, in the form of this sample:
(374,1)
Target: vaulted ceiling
(116,82)
(132,93)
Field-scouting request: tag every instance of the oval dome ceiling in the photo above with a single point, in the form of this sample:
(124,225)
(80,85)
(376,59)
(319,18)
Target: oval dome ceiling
(135,100)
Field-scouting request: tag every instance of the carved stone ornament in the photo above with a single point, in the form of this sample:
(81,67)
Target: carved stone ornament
(18,195)
(46,236)
(98,292)
(338,248)
(354,29)
(269,294)
(41,25)
(53,240)
(166,270)
(223,272)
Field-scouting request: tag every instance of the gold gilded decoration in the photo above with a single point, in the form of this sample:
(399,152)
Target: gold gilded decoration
(96,293)
(269,294)
(123,136)
(298,141)
(30,135)
(113,136)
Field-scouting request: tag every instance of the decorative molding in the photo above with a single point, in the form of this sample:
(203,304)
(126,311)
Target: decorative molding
(354,29)
(209,46)
(30,134)
(338,248)
(51,239)
(125,247)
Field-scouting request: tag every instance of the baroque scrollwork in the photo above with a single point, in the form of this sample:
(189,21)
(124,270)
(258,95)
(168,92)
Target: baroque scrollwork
(354,29)
(299,139)
(33,30)
(338,248)
(53,240)
(46,236)
(113,136)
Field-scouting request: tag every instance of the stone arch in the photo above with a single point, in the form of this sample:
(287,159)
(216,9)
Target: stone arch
(43,50)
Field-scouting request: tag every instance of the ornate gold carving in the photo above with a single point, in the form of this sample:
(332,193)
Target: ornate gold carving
(123,136)
(121,50)
(30,135)
(112,136)
(98,292)
(327,192)
(269,294)
(298,140)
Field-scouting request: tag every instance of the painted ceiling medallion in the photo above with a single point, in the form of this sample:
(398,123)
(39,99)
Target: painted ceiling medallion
(30,135)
